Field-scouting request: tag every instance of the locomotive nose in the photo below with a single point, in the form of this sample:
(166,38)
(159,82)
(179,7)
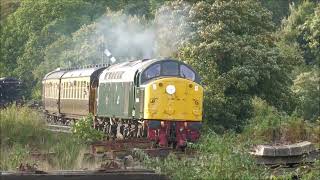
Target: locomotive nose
(173,99)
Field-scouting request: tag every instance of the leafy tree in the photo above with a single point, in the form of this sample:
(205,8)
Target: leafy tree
(306,85)
(299,30)
(234,51)
(300,34)
(279,9)
(312,34)
(32,27)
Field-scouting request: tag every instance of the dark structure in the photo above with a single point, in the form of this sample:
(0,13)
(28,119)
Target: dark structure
(10,91)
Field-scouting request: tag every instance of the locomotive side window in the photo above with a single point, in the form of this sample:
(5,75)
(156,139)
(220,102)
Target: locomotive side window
(170,69)
(152,72)
(186,72)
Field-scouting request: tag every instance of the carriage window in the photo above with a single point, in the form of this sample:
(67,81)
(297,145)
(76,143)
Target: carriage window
(187,73)
(152,72)
(70,90)
(83,89)
(64,90)
(170,69)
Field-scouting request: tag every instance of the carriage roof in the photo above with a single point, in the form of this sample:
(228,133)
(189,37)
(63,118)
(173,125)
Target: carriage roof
(87,72)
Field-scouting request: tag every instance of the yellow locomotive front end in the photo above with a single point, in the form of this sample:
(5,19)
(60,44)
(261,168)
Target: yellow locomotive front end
(173,99)
(172,102)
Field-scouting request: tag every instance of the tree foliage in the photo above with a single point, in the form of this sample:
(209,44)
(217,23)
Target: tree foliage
(32,27)
(300,34)
(234,51)
(306,85)
(301,30)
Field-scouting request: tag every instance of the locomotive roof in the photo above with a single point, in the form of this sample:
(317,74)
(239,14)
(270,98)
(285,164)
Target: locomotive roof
(124,72)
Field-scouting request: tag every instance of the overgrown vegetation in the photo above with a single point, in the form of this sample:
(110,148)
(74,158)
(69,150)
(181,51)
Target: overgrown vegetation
(84,130)
(227,156)
(270,126)
(217,157)
(23,132)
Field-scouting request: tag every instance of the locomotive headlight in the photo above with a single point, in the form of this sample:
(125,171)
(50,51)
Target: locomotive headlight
(170,89)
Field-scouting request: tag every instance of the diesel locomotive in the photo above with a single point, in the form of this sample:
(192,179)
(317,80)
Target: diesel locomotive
(160,99)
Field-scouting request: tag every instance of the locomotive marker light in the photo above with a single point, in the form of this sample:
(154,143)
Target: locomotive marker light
(170,89)
(107,52)
(109,55)
(113,59)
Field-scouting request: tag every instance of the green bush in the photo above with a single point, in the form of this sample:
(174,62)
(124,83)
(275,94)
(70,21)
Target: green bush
(271,126)
(84,130)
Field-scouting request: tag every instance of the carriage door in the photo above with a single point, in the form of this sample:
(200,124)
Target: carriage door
(92,99)
(93,95)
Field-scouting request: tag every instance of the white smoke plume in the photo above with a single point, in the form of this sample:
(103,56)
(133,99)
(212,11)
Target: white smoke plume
(132,37)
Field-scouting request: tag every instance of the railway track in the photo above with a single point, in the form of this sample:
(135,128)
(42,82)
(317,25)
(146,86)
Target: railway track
(84,175)
(58,128)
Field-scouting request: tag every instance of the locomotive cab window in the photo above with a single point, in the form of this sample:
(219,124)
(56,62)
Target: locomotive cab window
(170,69)
(151,72)
(187,73)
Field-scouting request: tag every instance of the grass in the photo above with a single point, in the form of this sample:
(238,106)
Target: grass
(218,157)
(23,131)
(268,126)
